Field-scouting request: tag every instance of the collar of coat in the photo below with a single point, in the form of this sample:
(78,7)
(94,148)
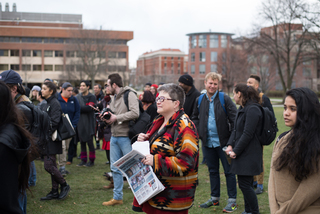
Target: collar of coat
(159,121)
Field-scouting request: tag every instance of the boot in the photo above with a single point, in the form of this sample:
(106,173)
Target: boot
(65,189)
(54,194)
(110,186)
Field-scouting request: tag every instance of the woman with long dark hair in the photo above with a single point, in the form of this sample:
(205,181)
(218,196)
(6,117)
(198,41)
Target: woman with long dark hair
(53,108)
(15,152)
(244,146)
(294,182)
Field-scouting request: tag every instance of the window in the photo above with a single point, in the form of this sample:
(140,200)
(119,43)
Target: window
(172,58)
(48,53)
(306,72)
(58,67)
(26,67)
(36,53)
(202,56)
(14,39)
(251,59)
(202,41)
(178,65)
(112,54)
(165,57)
(4,67)
(58,53)
(253,70)
(213,68)
(91,54)
(265,58)
(14,52)
(193,69)
(102,54)
(165,64)
(112,68)
(224,69)
(26,39)
(214,56)
(70,67)
(264,71)
(278,85)
(193,57)
(79,67)
(202,69)
(214,41)
(306,61)
(172,65)
(36,67)
(15,67)
(193,42)
(48,67)
(178,58)
(224,57)
(26,52)
(223,41)
(122,55)
(4,53)
(122,68)
(70,53)
(80,54)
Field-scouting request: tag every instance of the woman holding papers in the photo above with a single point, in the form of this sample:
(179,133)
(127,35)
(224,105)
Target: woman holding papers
(174,154)
(294,185)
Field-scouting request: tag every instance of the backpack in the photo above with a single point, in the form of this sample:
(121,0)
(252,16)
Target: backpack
(139,125)
(223,105)
(40,128)
(269,127)
(221,98)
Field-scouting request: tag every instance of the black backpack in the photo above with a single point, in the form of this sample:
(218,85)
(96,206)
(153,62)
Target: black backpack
(269,127)
(139,125)
(40,128)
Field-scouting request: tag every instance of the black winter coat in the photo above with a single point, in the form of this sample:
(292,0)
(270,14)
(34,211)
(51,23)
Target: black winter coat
(191,97)
(200,119)
(53,108)
(245,143)
(13,148)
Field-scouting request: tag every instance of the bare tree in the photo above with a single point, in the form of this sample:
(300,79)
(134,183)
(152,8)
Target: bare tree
(233,66)
(287,40)
(93,53)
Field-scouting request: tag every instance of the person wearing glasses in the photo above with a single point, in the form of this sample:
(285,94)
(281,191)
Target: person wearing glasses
(174,154)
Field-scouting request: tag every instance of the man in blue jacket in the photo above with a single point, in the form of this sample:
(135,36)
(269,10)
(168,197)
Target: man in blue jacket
(69,105)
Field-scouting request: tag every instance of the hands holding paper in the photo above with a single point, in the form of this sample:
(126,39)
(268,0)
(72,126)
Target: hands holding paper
(148,160)
(143,137)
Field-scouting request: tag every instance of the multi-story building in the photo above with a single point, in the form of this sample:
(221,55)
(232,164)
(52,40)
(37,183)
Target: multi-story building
(48,45)
(205,50)
(164,65)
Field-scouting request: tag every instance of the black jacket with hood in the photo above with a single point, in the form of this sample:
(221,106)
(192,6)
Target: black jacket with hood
(13,149)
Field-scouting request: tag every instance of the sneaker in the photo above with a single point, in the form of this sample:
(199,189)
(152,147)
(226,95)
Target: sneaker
(258,191)
(110,186)
(209,203)
(112,202)
(230,207)
(89,164)
(79,157)
(69,163)
(82,163)
(64,172)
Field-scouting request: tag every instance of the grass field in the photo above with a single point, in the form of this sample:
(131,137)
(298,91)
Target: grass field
(87,193)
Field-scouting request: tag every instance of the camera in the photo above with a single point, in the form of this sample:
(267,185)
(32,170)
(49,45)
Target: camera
(106,116)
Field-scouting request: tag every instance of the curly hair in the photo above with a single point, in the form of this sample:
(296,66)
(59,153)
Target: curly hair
(247,93)
(301,155)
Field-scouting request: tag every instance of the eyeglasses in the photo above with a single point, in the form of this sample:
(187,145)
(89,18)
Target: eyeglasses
(106,85)
(161,99)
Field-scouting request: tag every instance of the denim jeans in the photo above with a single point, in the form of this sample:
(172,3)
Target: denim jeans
(33,175)
(119,146)
(212,157)
(23,202)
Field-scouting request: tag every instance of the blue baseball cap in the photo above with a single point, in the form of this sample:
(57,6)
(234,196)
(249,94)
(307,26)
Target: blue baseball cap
(10,77)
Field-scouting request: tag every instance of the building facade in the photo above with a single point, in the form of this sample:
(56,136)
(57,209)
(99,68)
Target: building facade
(45,45)
(164,65)
(205,51)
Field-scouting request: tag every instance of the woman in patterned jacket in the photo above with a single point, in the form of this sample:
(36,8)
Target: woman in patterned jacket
(174,154)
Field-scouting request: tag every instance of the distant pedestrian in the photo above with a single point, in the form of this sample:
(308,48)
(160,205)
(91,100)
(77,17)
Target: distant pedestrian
(149,105)
(154,90)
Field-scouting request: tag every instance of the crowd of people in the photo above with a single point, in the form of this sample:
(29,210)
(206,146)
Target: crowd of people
(181,118)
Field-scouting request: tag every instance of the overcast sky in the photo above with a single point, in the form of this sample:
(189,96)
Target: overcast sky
(156,24)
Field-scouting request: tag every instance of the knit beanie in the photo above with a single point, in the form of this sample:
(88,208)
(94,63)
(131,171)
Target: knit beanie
(186,79)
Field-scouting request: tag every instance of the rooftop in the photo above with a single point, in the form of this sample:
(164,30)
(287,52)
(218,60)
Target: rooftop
(210,33)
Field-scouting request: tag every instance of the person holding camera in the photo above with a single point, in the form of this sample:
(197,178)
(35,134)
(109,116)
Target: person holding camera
(120,116)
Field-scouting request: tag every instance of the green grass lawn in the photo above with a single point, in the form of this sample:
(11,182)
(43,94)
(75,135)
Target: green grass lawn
(87,193)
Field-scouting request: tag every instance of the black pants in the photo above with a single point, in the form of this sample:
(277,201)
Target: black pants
(250,197)
(50,166)
(72,151)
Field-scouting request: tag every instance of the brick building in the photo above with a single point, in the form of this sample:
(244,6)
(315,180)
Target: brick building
(48,45)
(164,65)
(205,50)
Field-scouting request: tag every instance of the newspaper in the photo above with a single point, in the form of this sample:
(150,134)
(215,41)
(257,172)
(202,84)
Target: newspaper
(141,178)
